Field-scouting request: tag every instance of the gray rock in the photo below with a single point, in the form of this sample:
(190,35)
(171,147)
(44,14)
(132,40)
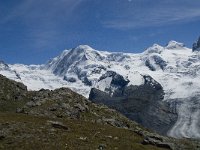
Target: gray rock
(80,107)
(142,104)
(156,60)
(69,79)
(20,110)
(30,104)
(114,122)
(196,45)
(2,137)
(58,125)
(65,106)
(117,79)
(157,142)
(102,147)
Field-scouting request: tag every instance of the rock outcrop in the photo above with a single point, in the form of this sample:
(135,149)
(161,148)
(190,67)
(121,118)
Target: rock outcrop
(196,45)
(142,104)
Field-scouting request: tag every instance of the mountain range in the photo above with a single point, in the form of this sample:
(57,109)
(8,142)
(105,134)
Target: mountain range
(164,81)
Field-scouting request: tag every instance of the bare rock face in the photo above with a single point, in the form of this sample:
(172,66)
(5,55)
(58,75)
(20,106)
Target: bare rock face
(196,45)
(142,104)
(3,65)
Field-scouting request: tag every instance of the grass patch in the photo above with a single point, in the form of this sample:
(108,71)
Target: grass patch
(30,132)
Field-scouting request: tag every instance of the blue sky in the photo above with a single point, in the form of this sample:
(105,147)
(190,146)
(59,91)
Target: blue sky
(33,31)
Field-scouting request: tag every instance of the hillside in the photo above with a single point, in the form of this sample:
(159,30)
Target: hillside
(62,119)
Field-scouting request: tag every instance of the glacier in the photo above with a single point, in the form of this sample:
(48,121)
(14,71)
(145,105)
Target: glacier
(174,66)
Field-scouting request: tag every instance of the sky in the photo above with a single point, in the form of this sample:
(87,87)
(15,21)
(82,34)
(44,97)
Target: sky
(33,31)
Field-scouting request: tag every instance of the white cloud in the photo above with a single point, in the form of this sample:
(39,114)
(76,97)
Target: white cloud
(28,9)
(41,19)
(163,13)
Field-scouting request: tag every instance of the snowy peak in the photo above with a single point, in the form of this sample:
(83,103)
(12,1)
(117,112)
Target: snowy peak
(3,65)
(89,53)
(81,50)
(86,52)
(84,48)
(154,49)
(73,57)
(174,45)
(68,57)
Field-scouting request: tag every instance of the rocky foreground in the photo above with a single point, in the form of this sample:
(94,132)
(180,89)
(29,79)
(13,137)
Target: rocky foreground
(62,119)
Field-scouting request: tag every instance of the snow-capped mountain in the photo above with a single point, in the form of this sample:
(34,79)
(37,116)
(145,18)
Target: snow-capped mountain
(174,66)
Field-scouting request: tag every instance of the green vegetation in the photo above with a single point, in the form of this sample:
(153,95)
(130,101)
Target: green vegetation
(62,119)
(29,132)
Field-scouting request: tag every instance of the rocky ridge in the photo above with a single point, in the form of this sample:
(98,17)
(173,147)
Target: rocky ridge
(196,45)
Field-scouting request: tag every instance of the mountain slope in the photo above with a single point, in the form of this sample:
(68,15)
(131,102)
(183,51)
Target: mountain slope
(143,104)
(62,119)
